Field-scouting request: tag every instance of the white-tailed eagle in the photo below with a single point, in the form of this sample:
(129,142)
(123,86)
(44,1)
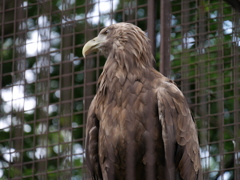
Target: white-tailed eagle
(139,124)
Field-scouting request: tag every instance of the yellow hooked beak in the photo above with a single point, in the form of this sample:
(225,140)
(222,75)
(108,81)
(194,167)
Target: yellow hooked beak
(93,45)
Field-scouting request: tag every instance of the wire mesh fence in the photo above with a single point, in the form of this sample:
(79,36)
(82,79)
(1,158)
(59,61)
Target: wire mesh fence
(47,86)
(205,64)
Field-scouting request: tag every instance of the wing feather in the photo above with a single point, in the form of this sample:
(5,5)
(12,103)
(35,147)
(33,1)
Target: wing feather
(179,133)
(92,158)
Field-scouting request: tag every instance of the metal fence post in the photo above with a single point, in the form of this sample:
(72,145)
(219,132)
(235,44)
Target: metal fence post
(151,24)
(165,30)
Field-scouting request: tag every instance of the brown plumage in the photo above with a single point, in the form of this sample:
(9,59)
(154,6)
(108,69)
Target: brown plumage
(139,125)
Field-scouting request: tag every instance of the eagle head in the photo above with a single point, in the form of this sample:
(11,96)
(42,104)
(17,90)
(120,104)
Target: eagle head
(122,39)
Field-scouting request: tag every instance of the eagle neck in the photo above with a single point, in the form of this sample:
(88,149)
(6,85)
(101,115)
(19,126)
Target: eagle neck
(117,70)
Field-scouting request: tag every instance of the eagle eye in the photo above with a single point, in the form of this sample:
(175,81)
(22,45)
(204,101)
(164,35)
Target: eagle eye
(106,32)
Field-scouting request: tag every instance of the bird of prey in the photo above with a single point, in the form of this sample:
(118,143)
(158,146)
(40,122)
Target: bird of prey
(139,125)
